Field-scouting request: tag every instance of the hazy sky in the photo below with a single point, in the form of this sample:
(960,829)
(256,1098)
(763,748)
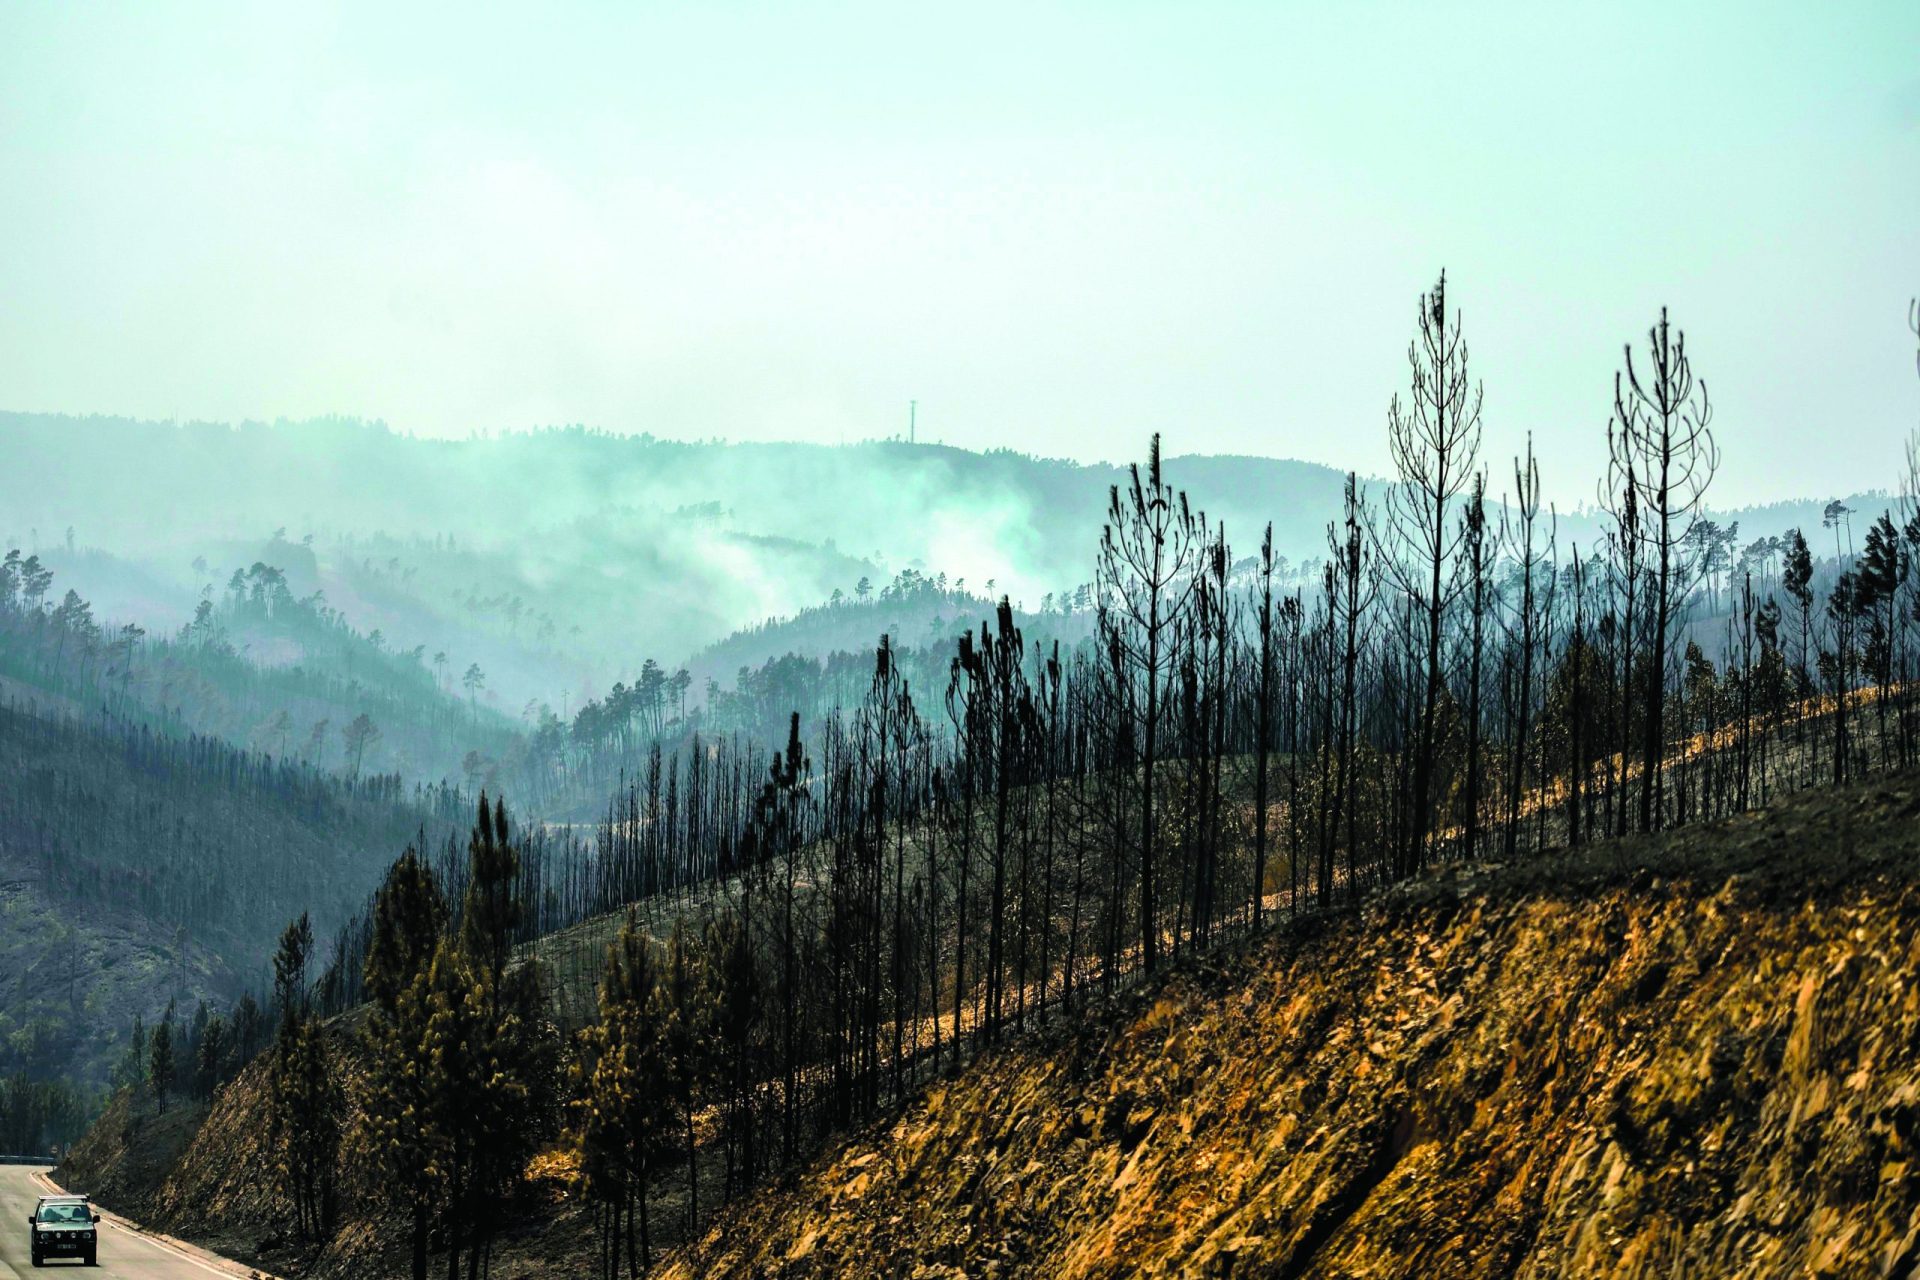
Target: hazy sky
(1059,228)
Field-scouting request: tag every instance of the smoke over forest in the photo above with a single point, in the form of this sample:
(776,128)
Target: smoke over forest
(1247,640)
(562,558)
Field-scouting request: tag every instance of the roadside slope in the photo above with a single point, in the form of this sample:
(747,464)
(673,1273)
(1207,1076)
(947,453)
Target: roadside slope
(1697,1055)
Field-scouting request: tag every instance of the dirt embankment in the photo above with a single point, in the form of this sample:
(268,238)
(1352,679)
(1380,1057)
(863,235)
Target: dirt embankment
(1695,1056)
(200,1171)
(124,1158)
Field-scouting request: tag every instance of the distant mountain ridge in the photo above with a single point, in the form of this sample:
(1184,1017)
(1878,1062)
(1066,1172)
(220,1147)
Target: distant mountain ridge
(560,558)
(649,548)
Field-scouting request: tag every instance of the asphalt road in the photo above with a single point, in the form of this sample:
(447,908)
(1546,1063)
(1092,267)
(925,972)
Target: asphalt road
(124,1252)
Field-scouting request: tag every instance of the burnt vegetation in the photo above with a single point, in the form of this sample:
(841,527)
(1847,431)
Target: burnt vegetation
(758,945)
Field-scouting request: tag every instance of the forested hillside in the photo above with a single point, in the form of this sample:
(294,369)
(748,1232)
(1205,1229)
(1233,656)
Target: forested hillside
(173,796)
(258,666)
(142,869)
(815,664)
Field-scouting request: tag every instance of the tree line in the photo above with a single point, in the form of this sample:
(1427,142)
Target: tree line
(188,1058)
(37,1116)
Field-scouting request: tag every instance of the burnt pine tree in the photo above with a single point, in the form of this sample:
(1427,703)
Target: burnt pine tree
(1574,664)
(1475,565)
(892,735)
(966,704)
(782,821)
(992,672)
(1529,554)
(1210,661)
(1883,568)
(1434,436)
(1661,449)
(1263,697)
(1350,584)
(1796,578)
(1146,579)
(1846,603)
(1620,498)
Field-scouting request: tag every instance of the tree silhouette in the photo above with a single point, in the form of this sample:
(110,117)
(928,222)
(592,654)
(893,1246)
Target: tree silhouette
(358,735)
(160,1062)
(474,681)
(1661,449)
(1435,440)
(1146,582)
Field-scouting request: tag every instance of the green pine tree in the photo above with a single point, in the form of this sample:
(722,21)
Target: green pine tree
(620,1123)
(409,917)
(213,1056)
(304,1094)
(395,1138)
(686,1033)
(489,1044)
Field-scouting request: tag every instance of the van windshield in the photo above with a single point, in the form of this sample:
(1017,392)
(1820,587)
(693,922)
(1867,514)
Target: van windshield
(69,1214)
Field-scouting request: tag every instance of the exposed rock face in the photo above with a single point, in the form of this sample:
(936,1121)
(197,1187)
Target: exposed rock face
(1692,1057)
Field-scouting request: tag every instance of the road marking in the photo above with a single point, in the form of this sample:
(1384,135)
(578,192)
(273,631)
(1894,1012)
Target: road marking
(232,1271)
